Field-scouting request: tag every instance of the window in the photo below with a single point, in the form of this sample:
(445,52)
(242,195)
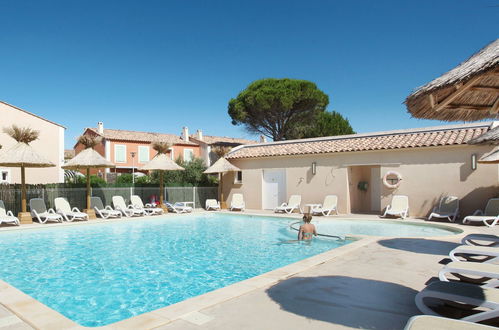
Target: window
(120,153)
(188,155)
(4,176)
(239,177)
(143,154)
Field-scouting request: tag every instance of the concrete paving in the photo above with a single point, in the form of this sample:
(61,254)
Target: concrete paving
(372,287)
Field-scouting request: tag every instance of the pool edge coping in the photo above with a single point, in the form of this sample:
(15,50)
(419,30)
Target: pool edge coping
(40,316)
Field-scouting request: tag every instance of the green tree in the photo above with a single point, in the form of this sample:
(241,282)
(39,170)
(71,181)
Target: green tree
(272,107)
(192,175)
(324,124)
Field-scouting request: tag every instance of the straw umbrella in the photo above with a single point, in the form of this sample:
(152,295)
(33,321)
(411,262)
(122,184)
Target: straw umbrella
(23,155)
(87,159)
(469,92)
(161,162)
(221,166)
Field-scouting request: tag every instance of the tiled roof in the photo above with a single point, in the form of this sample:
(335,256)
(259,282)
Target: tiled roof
(400,139)
(123,135)
(209,139)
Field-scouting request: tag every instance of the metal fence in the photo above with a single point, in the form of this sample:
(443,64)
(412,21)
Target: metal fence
(11,195)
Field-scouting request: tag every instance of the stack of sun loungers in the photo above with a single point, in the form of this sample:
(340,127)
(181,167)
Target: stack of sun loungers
(469,285)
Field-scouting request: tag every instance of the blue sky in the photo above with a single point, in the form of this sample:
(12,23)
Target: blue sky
(160,65)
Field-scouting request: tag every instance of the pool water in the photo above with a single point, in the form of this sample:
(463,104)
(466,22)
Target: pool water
(382,228)
(98,274)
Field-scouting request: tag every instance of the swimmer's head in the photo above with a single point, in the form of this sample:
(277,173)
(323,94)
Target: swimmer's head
(307,218)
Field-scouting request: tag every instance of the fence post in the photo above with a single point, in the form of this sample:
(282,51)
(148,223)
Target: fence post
(194,196)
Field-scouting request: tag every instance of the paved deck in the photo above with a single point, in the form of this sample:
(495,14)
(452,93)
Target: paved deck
(372,287)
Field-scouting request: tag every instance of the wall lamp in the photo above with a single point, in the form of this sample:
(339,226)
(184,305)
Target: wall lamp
(473,162)
(314,168)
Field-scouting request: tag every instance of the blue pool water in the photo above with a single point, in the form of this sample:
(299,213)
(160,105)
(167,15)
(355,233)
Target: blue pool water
(103,273)
(382,228)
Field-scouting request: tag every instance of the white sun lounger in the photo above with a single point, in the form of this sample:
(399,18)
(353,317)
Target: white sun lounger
(289,207)
(487,299)
(237,202)
(178,207)
(7,216)
(69,214)
(489,217)
(470,252)
(475,239)
(40,212)
(330,205)
(212,204)
(448,208)
(398,207)
(427,322)
(128,211)
(104,212)
(136,201)
(484,274)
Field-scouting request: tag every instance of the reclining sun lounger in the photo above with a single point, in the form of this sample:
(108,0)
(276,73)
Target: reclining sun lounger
(40,212)
(237,202)
(474,296)
(104,212)
(289,207)
(427,322)
(471,252)
(448,208)
(474,239)
(484,274)
(212,204)
(178,207)
(69,214)
(7,216)
(489,217)
(330,205)
(398,207)
(136,201)
(127,211)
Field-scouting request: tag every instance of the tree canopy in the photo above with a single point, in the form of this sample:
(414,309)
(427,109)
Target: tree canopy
(273,107)
(324,124)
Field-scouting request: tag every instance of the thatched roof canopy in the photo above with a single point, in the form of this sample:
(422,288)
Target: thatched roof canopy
(88,158)
(161,162)
(468,92)
(491,158)
(23,155)
(490,137)
(222,165)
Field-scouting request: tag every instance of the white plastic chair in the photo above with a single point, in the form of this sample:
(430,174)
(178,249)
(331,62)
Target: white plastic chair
(330,205)
(489,217)
(69,214)
(398,207)
(40,212)
(7,216)
(237,202)
(128,211)
(178,207)
(448,208)
(104,212)
(289,207)
(137,203)
(212,204)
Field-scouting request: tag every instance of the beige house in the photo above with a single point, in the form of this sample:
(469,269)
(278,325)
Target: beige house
(432,162)
(50,145)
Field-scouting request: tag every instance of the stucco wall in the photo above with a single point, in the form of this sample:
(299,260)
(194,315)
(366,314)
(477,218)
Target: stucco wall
(428,174)
(50,145)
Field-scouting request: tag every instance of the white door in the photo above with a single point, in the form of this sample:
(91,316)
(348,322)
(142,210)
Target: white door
(273,188)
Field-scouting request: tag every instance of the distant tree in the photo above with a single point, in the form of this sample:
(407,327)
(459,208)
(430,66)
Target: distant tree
(273,106)
(95,181)
(192,175)
(324,124)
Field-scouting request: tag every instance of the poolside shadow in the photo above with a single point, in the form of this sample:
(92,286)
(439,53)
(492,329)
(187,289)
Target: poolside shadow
(418,245)
(348,301)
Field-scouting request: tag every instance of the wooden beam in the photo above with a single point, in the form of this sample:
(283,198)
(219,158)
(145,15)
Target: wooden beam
(469,106)
(432,100)
(495,106)
(485,89)
(458,92)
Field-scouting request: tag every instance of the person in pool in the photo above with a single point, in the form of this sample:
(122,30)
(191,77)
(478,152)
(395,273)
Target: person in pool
(307,230)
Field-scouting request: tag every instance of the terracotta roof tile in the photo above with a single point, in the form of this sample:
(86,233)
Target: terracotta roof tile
(124,135)
(400,139)
(210,139)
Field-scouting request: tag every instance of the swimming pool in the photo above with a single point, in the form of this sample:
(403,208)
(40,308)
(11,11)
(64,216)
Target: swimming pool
(387,228)
(98,274)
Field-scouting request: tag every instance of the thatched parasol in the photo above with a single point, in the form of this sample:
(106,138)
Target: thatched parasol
(221,166)
(87,159)
(23,155)
(161,162)
(468,92)
(490,158)
(491,137)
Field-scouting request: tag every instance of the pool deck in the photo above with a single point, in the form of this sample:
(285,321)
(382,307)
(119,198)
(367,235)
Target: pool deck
(367,284)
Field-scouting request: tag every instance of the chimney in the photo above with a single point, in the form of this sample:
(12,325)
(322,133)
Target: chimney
(263,139)
(185,134)
(199,135)
(100,127)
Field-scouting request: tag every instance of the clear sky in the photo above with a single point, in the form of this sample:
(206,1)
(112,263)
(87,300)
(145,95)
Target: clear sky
(160,65)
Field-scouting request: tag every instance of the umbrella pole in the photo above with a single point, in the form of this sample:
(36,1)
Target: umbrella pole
(161,192)
(24,217)
(89,210)
(222,203)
